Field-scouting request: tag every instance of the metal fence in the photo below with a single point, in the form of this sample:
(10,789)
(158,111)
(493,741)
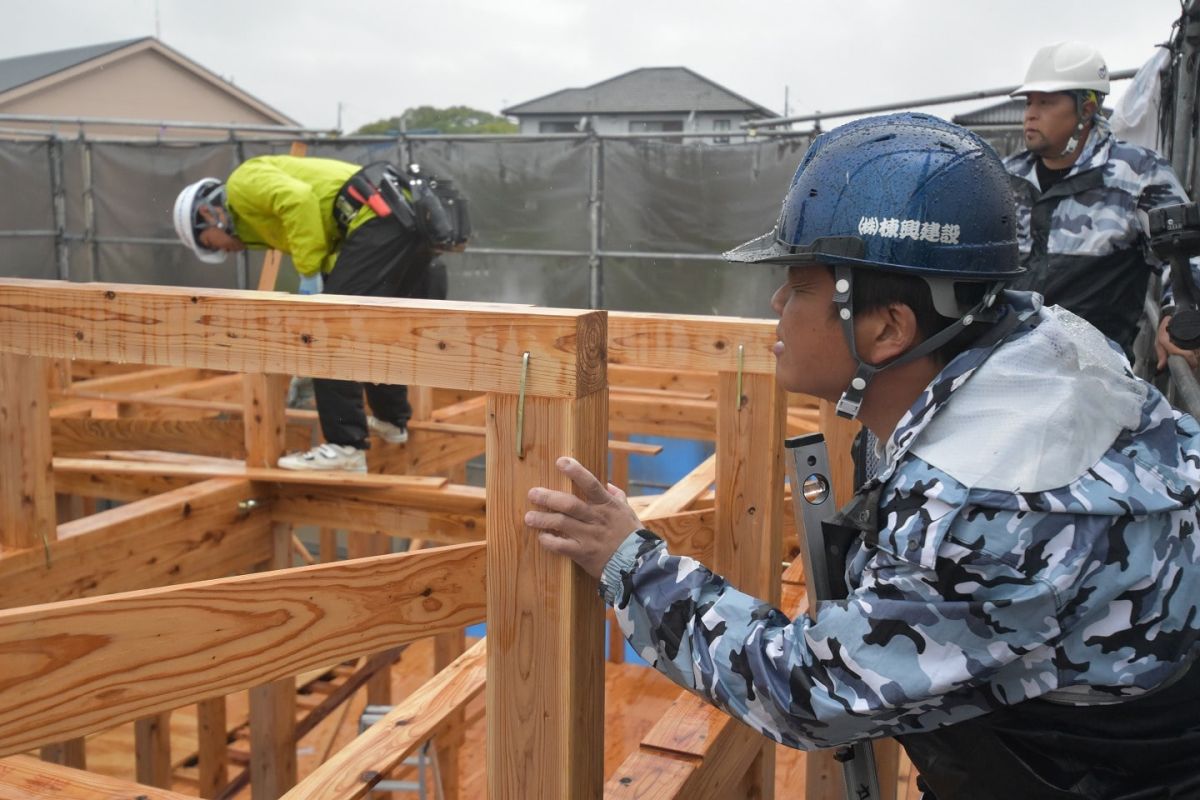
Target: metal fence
(621,222)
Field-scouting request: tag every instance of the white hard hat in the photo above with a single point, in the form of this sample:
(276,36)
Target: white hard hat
(1063,67)
(185,219)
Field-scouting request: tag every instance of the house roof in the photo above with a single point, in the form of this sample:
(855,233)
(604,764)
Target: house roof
(21,70)
(18,75)
(641,91)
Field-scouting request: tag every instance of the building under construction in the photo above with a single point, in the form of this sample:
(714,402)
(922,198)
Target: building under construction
(182,619)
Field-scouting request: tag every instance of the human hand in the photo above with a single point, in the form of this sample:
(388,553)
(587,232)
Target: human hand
(311,284)
(587,530)
(1163,347)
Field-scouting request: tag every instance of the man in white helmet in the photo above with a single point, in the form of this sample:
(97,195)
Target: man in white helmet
(1082,197)
(342,236)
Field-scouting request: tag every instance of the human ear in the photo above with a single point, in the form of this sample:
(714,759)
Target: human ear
(886,332)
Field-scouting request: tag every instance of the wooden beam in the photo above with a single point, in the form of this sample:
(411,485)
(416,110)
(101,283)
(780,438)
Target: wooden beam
(27,516)
(70,668)
(142,380)
(203,470)
(451,515)
(272,744)
(360,765)
(116,486)
(210,437)
(474,346)
(25,778)
(685,491)
(687,533)
(447,648)
(545,690)
(195,533)
(687,342)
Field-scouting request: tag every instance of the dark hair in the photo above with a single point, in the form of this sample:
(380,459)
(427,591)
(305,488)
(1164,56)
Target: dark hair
(878,289)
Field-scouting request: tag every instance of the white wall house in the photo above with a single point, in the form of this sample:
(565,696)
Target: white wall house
(666,100)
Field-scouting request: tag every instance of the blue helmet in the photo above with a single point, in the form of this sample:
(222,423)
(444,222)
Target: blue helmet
(904,192)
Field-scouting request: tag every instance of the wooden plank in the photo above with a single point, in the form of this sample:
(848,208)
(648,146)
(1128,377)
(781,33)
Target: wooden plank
(25,778)
(475,346)
(211,437)
(453,514)
(545,691)
(27,517)
(142,380)
(688,342)
(358,766)
(190,534)
(70,668)
(113,486)
(152,749)
(211,469)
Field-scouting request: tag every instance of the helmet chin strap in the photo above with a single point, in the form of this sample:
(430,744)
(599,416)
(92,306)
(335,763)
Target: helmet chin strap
(1073,143)
(843,291)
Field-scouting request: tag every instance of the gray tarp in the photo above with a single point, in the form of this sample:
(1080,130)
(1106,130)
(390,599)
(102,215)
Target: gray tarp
(535,194)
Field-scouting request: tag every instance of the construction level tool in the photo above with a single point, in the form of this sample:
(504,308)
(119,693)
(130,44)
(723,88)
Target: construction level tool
(823,548)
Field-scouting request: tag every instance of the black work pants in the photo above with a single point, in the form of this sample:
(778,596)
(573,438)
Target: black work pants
(378,259)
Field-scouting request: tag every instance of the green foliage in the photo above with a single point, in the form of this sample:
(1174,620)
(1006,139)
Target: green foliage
(427,119)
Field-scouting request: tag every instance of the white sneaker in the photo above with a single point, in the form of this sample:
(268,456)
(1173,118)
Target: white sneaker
(392,434)
(327,457)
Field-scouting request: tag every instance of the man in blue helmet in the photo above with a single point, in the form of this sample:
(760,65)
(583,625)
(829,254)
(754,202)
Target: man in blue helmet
(1024,595)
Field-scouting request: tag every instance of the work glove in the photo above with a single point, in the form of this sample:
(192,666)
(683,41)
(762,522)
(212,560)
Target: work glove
(311,284)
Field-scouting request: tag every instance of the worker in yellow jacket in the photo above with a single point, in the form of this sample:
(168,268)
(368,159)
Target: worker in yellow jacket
(340,244)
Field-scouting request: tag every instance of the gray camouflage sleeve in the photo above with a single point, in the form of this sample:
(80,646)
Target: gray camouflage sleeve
(895,657)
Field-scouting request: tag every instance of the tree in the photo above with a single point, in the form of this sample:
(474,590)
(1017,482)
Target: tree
(427,119)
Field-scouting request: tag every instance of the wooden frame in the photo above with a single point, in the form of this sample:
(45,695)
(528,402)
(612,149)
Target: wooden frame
(191,617)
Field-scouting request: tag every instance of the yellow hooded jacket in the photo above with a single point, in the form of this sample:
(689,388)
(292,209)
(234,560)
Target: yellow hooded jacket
(286,203)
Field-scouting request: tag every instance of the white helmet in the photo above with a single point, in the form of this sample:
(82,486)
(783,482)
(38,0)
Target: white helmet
(186,206)
(1063,67)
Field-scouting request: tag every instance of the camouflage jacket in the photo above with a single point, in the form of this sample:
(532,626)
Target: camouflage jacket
(984,586)
(1084,240)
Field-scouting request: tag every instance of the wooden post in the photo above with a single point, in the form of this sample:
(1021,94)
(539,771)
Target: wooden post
(273,705)
(70,753)
(748,545)
(213,750)
(152,750)
(545,687)
(27,509)
(446,648)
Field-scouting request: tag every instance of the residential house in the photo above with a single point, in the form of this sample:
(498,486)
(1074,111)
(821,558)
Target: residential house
(666,100)
(140,79)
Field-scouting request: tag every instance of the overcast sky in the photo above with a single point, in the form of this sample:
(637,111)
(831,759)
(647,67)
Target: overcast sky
(377,58)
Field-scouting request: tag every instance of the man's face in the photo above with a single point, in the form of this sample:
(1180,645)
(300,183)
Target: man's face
(811,354)
(1050,119)
(213,237)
